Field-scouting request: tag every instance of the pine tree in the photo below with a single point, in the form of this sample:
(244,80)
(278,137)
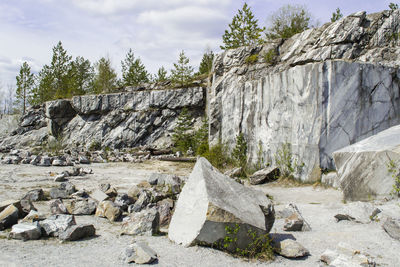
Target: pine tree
(81,75)
(181,137)
(44,90)
(336,15)
(206,63)
(161,75)
(105,79)
(60,67)
(183,72)
(243,30)
(393,6)
(133,70)
(240,152)
(25,82)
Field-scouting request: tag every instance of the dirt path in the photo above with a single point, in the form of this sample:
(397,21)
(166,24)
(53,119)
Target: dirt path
(318,207)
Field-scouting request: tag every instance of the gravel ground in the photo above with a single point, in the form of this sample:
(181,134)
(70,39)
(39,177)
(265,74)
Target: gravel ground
(318,206)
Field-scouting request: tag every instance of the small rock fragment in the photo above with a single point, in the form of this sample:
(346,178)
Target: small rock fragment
(146,222)
(34,195)
(108,210)
(140,253)
(56,224)
(8,217)
(77,232)
(392,227)
(25,231)
(291,249)
(264,175)
(57,207)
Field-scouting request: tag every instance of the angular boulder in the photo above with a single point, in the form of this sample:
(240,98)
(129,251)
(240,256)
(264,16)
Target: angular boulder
(210,202)
(362,168)
(146,222)
(290,249)
(360,212)
(26,231)
(392,227)
(264,175)
(77,232)
(82,206)
(34,195)
(109,210)
(8,217)
(140,253)
(56,224)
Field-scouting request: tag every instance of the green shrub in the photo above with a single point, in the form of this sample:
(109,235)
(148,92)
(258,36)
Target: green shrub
(288,166)
(394,171)
(95,145)
(252,59)
(217,155)
(259,248)
(200,142)
(239,153)
(270,57)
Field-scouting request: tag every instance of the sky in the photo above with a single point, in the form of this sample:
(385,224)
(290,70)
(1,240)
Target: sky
(156,30)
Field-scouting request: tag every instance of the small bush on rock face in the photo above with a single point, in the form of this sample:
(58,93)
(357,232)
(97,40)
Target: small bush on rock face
(239,153)
(95,145)
(218,156)
(252,59)
(270,57)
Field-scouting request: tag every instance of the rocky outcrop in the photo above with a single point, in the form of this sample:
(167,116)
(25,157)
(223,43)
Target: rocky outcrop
(367,169)
(324,89)
(119,120)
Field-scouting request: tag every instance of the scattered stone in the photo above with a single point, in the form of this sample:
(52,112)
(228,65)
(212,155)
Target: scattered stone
(45,161)
(392,227)
(80,194)
(34,195)
(234,172)
(63,191)
(25,231)
(290,249)
(56,224)
(144,185)
(6,203)
(83,160)
(359,212)
(123,201)
(108,210)
(59,162)
(134,192)
(173,182)
(25,207)
(294,221)
(329,256)
(61,177)
(164,208)
(105,187)
(82,206)
(345,255)
(111,191)
(146,222)
(8,217)
(33,216)
(99,196)
(142,202)
(209,202)
(140,253)
(265,175)
(57,207)
(77,232)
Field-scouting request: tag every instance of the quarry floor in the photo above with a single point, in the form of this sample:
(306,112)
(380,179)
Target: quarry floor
(318,206)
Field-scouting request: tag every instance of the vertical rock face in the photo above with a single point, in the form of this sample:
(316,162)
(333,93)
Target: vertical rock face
(326,91)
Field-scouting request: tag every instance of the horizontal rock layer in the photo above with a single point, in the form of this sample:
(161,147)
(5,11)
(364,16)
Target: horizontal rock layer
(118,120)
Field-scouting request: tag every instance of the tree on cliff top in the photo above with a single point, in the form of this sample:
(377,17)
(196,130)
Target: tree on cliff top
(105,80)
(206,62)
(182,72)
(243,30)
(336,15)
(393,6)
(288,21)
(133,70)
(25,82)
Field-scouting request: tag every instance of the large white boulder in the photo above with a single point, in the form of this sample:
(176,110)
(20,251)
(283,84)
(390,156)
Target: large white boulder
(363,168)
(211,203)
